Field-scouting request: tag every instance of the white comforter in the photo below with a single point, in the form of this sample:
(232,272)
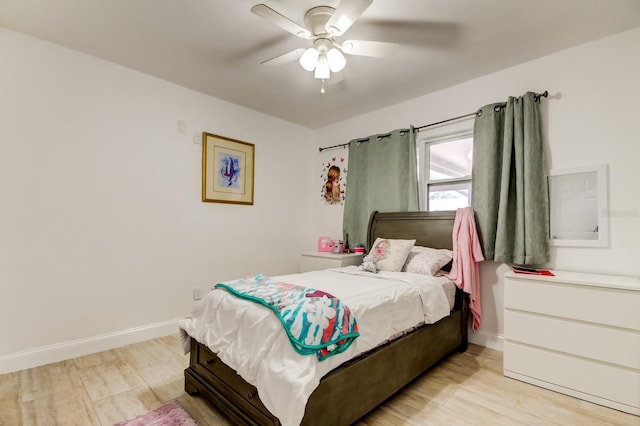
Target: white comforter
(249,338)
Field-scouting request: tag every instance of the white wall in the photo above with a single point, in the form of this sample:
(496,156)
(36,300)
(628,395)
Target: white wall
(591,117)
(103,235)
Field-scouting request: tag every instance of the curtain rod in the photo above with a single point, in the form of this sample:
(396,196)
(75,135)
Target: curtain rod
(343,145)
(447,120)
(346,144)
(536,97)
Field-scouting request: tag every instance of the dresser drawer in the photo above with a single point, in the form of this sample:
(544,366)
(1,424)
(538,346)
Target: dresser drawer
(210,362)
(614,307)
(603,343)
(575,376)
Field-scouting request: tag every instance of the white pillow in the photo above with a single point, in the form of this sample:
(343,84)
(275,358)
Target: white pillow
(390,255)
(426,260)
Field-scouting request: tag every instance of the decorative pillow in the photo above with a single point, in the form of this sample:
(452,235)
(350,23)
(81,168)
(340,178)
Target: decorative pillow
(426,260)
(390,255)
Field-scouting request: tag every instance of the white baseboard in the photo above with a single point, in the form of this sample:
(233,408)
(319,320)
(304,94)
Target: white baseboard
(489,340)
(75,348)
(72,349)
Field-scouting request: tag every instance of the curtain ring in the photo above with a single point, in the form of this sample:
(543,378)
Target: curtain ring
(479,113)
(499,107)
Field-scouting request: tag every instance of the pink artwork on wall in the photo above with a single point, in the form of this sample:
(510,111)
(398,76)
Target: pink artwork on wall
(334,180)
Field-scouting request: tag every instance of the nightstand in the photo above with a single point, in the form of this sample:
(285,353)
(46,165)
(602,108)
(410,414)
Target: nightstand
(314,260)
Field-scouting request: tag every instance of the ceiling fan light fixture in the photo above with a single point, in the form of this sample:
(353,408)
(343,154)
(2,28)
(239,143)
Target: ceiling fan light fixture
(309,58)
(336,60)
(322,25)
(322,68)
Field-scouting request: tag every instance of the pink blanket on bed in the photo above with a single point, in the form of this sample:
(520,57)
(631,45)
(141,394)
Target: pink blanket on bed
(467,253)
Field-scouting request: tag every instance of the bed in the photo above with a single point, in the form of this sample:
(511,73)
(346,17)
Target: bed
(373,375)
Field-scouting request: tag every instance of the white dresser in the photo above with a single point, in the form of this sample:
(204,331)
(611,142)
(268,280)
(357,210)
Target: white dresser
(314,260)
(575,333)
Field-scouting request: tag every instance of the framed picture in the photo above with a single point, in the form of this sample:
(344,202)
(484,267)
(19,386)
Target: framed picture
(578,207)
(227,170)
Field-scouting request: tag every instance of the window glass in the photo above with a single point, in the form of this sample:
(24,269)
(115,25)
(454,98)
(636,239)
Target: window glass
(449,196)
(451,159)
(445,153)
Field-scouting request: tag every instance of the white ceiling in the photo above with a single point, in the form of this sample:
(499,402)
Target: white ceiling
(216,46)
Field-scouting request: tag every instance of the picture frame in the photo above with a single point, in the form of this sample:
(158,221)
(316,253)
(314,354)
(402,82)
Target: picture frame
(578,206)
(227,170)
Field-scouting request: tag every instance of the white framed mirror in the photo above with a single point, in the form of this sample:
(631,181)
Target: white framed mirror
(578,207)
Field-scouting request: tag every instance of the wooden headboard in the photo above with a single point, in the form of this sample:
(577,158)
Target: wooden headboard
(429,229)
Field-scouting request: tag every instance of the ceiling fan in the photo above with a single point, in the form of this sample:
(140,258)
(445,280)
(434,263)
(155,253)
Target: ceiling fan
(323,25)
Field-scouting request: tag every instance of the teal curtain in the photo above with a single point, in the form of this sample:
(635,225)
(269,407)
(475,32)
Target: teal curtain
(509,191)
(382,176)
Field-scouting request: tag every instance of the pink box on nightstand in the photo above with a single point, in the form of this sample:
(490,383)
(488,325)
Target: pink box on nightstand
(325,244)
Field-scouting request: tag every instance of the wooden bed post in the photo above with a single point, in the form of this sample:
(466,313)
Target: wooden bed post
(465,321)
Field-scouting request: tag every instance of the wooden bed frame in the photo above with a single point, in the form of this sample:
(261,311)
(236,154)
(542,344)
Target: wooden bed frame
(361,384)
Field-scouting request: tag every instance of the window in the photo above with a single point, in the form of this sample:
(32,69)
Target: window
(445,169)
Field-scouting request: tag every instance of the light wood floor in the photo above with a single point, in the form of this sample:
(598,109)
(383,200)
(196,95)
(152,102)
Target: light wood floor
(104,388)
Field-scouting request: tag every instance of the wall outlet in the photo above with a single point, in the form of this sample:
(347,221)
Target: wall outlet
(198,293)
(197,138)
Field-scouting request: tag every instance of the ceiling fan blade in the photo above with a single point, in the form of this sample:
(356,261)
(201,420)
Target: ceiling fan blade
(345,15)
(376,49)
(282,21)
(285,58)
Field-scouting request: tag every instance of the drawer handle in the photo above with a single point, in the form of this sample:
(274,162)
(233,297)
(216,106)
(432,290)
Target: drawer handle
(210,361)
(252,394)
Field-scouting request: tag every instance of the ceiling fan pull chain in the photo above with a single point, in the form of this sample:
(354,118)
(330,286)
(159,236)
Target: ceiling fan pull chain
(322,88)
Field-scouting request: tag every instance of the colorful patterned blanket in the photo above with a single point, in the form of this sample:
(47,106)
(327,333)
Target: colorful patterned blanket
(315,321)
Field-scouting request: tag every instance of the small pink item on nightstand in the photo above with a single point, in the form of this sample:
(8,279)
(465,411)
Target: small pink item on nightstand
(325,244)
